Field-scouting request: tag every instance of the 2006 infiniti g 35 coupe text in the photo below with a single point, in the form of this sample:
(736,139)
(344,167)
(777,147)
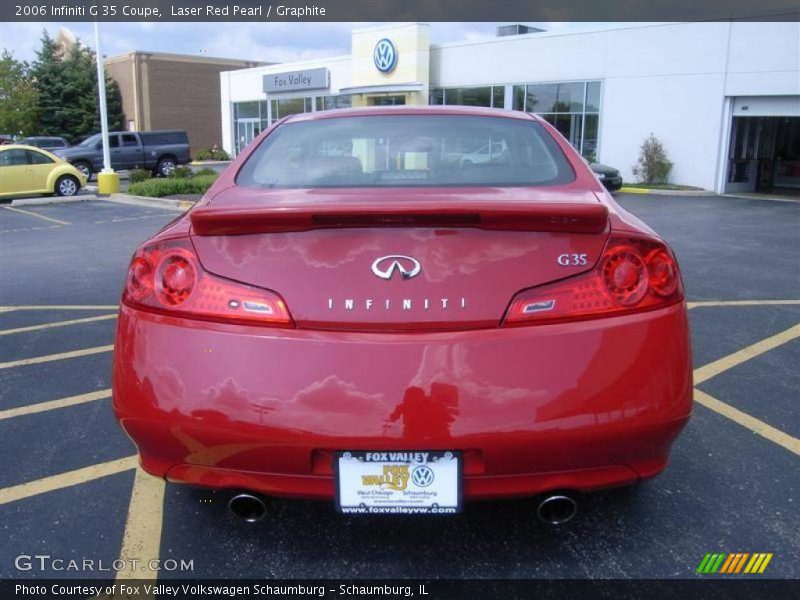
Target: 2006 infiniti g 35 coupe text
(355,313)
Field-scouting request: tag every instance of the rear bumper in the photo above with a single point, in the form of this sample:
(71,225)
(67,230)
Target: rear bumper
(579,406)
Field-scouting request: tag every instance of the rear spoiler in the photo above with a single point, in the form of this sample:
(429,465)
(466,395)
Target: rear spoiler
(549,217)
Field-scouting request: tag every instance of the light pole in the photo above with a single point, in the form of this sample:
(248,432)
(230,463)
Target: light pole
(107,179)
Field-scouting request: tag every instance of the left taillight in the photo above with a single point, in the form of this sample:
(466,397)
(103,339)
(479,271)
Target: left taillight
(167,277)
(633,274)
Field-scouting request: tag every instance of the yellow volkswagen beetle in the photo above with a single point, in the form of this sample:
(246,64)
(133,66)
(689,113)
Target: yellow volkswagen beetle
(27,170)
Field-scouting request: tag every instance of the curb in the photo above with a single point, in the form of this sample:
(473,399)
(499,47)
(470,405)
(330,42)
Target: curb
(657,192)
(201,163)
(53,200)
(165,203)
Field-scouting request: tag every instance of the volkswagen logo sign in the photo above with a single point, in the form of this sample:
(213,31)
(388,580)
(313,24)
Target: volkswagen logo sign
(422,476)
(386,266)
(385,55)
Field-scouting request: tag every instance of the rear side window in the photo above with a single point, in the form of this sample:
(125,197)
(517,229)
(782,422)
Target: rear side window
(407,150)
(37,158)
(128,139)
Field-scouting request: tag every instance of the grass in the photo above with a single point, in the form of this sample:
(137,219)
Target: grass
(661,186)
(169,186)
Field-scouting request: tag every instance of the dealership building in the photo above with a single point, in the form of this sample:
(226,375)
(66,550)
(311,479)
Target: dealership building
(722,97)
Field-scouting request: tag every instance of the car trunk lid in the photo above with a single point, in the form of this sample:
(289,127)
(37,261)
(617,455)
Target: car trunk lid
(385,260)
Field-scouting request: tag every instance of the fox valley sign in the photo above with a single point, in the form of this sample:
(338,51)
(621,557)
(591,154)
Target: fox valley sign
(290,81)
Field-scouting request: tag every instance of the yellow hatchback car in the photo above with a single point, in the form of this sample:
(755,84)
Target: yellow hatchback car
(27,170)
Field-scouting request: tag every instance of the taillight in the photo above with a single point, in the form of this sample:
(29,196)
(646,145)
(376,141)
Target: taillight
(632,275)
(167,277)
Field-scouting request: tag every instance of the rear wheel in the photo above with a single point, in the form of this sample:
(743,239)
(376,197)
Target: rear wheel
(84,168)
(166,166)
(67,185)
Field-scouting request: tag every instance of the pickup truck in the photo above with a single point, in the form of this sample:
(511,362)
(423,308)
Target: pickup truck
(159,151)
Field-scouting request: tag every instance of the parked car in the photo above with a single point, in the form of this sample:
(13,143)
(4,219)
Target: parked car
(160,151)
(484,154)
(397,333)
(609,176)
(46,143)
(26,170)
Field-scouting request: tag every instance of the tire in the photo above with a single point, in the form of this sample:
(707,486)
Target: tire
(67,185)
(84,168)
(166,166)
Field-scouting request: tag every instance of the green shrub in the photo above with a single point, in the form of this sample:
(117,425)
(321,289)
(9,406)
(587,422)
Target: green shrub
(653,165)
(172,186)
(181,173)
(212,154)
(206,171)
(138,175)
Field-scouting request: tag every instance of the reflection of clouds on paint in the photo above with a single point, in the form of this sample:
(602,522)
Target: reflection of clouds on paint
(322,248)
(169,389)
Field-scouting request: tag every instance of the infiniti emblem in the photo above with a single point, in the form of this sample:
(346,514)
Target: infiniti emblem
(385,266)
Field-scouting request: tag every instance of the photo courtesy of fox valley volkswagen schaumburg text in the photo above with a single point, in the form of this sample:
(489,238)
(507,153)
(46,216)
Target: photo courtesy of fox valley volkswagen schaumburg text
(345,299)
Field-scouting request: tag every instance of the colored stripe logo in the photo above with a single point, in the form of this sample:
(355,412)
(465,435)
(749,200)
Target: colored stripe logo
(734,563)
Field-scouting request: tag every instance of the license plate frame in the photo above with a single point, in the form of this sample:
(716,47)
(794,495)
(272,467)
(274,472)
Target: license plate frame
(392,496)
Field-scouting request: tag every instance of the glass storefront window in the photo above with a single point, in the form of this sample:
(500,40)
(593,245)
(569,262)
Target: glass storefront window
(592,96)
(519,97)
(541,98)
(289,106)
(333,102)
(498,96)
(572,107)
(488,95)
(478,96)
(590,129)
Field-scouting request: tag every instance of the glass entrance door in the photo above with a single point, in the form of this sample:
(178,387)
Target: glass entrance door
(246,132)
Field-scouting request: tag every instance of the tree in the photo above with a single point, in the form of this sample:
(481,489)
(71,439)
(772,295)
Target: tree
(67,88)
(653,165)
(18,98)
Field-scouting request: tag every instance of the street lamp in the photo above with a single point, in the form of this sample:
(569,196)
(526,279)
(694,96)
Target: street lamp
(107,179)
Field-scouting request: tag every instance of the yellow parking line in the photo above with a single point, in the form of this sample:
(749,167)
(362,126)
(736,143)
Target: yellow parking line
(53,404)
(61,307)
(51,357)
(64,480)
(755,425)
(742,303)
(58,324)
(142,538)
(728,362)
(33,214)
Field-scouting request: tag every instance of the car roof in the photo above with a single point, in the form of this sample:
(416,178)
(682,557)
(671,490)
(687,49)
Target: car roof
(26,147)
(477,111)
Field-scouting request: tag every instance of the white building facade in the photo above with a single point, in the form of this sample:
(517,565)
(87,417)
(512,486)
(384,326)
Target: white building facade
(722,97)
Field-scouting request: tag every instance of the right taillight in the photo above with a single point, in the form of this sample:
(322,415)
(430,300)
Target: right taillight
(166,277)
(633,274)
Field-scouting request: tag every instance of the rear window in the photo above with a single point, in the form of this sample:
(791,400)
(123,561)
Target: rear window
(408,150)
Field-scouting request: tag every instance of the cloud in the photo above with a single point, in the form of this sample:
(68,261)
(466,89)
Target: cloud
(274,42)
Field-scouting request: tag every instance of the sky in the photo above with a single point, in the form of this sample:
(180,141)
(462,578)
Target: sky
(271,42)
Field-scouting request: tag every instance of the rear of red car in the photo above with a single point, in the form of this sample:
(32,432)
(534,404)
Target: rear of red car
(355,312)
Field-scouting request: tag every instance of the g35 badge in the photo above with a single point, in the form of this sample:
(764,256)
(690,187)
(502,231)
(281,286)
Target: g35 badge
(572,260)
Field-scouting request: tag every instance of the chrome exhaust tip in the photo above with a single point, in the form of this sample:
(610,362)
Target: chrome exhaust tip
(247,507)
(557,509)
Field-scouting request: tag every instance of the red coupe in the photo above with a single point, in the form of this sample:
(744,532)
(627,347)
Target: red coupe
(354,312)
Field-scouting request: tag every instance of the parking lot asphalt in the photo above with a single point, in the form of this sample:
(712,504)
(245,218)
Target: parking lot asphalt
(69,486)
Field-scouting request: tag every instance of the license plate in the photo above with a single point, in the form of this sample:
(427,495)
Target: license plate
(412,482)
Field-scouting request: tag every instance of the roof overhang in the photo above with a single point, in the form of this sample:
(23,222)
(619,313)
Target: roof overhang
(383,89)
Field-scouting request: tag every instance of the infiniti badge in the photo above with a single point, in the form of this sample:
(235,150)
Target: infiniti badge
(385,266)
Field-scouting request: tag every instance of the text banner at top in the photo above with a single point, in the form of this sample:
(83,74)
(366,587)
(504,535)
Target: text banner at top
(399,10)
